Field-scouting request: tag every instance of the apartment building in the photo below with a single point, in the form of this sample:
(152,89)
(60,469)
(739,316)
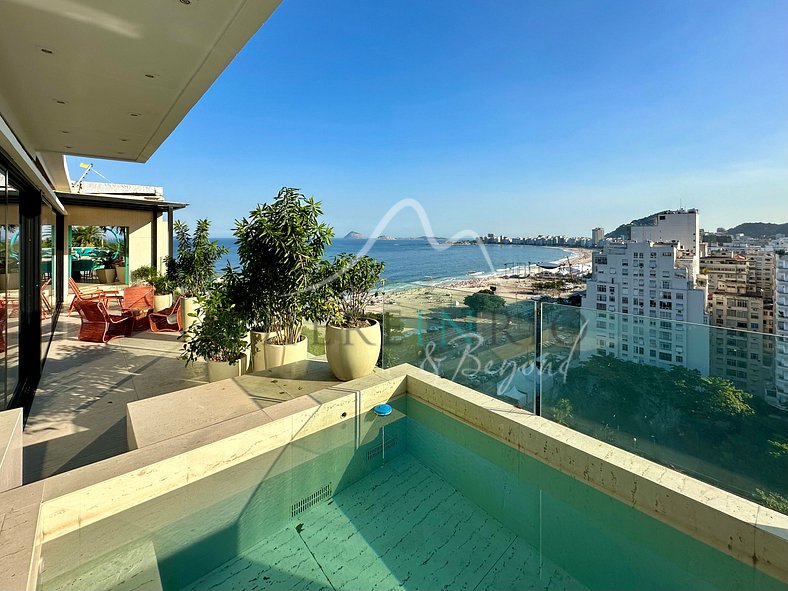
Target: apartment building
(781,329)
(636,293)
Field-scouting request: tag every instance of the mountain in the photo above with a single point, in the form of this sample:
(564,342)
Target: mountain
(759,229)
(623,230)
(354,236)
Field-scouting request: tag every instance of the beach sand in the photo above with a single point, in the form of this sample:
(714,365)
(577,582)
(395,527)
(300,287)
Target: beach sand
(429,298)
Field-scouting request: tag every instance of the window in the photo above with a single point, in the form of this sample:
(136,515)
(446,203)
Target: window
(665,356)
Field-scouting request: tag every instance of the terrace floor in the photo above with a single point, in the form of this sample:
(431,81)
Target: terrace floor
(79,412)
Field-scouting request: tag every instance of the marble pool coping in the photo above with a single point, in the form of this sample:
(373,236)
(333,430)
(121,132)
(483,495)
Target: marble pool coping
(44,511)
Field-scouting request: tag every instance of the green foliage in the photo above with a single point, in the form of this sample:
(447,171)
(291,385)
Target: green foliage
(193,267)
(144,274)
(162,285)
(280,247)
(484,301)
(84,236)
(772,500)
(562,412)
(352,280)
(104,256)
(220,334)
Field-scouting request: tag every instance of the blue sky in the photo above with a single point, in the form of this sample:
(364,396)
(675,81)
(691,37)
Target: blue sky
(518,117)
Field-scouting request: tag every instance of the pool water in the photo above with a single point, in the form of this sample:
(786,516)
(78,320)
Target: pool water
(416,500)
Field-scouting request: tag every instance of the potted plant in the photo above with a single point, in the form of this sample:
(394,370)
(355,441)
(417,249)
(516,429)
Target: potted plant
(280,247)
(220,336)
(105,258)
(162,292)
(193,269)
(353,340)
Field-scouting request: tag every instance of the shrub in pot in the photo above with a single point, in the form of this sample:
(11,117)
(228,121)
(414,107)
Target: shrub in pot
(220,336)
(162,292)
(106,259)
(280,247)
(192,269)
(352,340)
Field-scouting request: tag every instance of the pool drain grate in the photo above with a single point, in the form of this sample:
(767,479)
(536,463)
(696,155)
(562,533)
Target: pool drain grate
(321,494)
(378,449)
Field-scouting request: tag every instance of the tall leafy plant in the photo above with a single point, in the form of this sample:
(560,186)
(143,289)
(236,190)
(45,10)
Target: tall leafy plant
(280,247)
(352,284)
(193,267)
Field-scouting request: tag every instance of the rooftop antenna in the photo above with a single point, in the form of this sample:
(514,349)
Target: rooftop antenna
(88,167)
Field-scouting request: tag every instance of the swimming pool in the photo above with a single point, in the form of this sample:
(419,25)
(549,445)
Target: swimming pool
(415,500)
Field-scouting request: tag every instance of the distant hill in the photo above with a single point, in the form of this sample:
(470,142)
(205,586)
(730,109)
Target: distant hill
(623,230)
(354,236)
(759,229)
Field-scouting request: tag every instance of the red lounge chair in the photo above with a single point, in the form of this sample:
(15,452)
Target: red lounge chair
(138,302)
(98,295)
(98,325)
(167,320)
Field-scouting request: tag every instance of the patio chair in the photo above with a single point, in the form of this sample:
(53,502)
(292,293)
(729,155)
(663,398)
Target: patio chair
(138,302)
(167,320)
(46,307)
(98,325)
(99,295)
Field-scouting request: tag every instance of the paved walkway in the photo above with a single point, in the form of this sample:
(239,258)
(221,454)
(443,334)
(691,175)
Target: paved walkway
(79,412)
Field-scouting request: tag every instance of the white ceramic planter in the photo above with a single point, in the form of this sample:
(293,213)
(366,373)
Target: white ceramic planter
(106,275)
(276,355)
(352,352)
(258,357)
(161,301)
(221,370)
(188,306)
(120,274)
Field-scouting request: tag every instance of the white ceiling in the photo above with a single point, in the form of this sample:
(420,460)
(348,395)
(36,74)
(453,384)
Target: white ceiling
(115,77)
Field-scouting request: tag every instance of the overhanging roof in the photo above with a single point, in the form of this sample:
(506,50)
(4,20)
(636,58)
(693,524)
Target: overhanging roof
(115,202)
(113,78)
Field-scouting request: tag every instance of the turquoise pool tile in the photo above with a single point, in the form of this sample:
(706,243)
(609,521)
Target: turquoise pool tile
(280,562)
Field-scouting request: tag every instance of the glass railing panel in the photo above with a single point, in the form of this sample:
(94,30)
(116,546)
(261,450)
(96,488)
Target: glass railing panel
(700,399)
(483,341)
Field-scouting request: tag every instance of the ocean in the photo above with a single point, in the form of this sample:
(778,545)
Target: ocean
(417,262)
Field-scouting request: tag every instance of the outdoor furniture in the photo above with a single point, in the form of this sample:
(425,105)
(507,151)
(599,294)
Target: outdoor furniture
(3,321)
(167,320)
(98,325)
(138,302)
(46,307)
(98,295)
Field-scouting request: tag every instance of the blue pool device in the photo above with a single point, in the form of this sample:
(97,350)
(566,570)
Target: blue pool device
(383,410)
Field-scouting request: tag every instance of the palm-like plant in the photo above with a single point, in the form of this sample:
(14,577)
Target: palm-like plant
(86,236)
(193,266)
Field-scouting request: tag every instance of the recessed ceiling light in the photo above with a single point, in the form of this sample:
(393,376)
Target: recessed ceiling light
(47,51)
(123,139)
(185,1)
(134,114)
(150,75)
(120,153)
(60,102)
(68,147)
(64,131)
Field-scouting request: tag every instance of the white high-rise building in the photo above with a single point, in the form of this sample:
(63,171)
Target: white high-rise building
(638,291)
(597,236)
(681,228)
(781,328)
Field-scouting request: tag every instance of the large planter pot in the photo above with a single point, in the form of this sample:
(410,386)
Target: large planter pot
(120,274)
(222,370)
(188,307)
(258,339)
(352,352)
(161,301)
(106,275)
(276,355)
